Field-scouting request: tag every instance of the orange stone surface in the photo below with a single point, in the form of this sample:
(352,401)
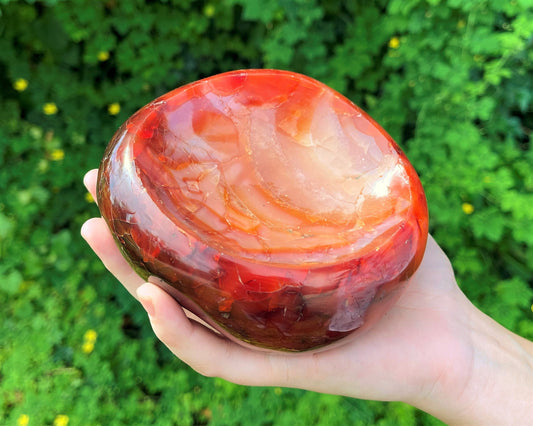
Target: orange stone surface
(267,204)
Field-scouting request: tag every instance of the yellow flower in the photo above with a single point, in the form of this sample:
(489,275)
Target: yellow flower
(467,208)
(394,43)
(461,24)
(209,10)
(57,154)
(20,84)
(278,391)
(89,198)
(90,335)
(87,347)
(24,285)
(113,108)
(50,108)
(103,55)
(61,420)
(23,420)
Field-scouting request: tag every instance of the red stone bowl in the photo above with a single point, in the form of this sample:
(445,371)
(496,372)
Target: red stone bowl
(267,204)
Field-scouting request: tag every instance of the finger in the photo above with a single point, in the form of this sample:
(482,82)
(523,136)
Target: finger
(207,353)
(435,256)
(97,234)
(435,271)
(89,181)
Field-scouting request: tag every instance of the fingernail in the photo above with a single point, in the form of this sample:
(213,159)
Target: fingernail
(146,302)
(84,230)
(148,306)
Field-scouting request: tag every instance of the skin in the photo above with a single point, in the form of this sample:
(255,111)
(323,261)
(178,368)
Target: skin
(433,349)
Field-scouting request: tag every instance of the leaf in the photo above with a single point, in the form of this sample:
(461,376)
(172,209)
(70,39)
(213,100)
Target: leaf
(485,107)
(513,296)
(518,204)
(6,226)
(10,283)
(515,292)
(260,10)
(402,6)
(488,223)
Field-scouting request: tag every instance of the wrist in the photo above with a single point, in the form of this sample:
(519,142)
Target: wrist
(501,386)
(490,382)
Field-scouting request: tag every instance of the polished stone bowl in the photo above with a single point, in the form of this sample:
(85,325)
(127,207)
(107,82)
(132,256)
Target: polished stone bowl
(267,204)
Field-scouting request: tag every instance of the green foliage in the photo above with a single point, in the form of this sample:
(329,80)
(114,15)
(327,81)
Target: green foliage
(451,81)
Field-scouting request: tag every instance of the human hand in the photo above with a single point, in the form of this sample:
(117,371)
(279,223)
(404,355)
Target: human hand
(422,351)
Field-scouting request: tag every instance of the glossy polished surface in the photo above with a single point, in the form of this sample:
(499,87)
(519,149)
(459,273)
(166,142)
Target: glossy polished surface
(268,204)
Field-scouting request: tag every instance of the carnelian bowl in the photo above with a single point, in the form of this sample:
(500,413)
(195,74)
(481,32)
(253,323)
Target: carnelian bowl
(267,204)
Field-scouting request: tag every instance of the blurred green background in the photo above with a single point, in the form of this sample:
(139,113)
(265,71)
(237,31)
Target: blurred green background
(451,81)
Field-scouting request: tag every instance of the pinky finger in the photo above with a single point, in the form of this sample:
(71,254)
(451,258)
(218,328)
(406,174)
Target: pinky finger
(204,351)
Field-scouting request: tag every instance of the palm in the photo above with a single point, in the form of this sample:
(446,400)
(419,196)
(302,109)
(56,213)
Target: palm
(412,346)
